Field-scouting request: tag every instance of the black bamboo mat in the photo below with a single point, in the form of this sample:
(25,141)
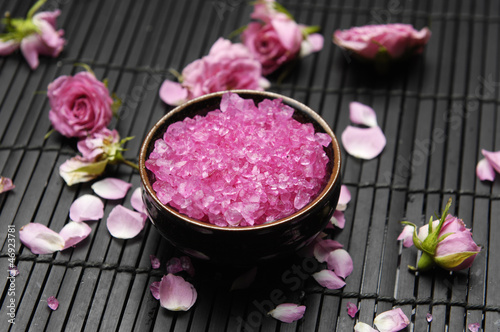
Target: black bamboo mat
(437,111)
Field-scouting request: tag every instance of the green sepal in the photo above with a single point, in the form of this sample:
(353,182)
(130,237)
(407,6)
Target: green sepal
(430,243)
(115,106)
(452,261)
(416,240)
(87,68)
(281,9)
(310,30)
(93,168)
(426,262)
(35,8)
(237,32)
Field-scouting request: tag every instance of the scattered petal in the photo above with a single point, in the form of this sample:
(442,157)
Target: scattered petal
(13,271)
(6,184)
(484,170)
(111,188)
(352,309)
(86,207)
(74,232)
(176,294)
(363,327)
(362,114)
(245,280)
(174,265)
(173,93)
(323,248)
(187,265)
(124,223)
(155,262)
(493,158)
(155,289)
(40,239)
(407,236)
(474,327)
(344,198)
(428,317)
(52,303)
(288,312)
(137,202)
(341,262)
(328,279)
(363,143)
(392,320)
(338,219)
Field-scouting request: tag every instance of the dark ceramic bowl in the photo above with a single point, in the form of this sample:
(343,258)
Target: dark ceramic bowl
(241,246)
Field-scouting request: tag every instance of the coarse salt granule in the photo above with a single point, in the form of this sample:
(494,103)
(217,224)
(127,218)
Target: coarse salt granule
(241,165)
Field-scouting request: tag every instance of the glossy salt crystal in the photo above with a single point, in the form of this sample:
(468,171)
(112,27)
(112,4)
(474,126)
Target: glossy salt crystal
(239,166)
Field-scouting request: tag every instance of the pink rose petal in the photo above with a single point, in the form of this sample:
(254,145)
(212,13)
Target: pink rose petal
(344,198)
(86,207)
(392,320)
(363,327)
(338,219)
(176,294)
(155,262)
(174,265)
(137,202)
(187,265)
(406,236)
(288,312)
(341,262)
(124,223)
(52,303)
(74,232)
(484,170)
(328,279)
(173,93)
(13,271)
(111,188)
(363,143)
(474,327)
(40,239)
(245,280)
(362,114)
(155,289)
(324,247)
(6,184)
(493,158)
(7,47)
(313,43)
(352,309)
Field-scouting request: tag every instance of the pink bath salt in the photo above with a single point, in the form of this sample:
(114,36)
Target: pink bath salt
(240,165)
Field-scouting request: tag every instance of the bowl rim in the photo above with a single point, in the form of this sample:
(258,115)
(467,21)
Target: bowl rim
(332,181)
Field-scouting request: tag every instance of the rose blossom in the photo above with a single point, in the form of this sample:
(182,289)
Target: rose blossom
(227,66)
(395,39)
(35,35)
(80,105)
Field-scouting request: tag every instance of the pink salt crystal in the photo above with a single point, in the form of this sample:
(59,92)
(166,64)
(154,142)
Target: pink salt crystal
(241,165)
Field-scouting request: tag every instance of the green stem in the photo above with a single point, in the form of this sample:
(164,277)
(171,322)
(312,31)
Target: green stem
(35,7)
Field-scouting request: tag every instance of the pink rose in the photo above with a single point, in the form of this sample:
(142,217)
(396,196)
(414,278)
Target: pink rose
(35,36)
(396,39)
(104,144)
(228,66)
(80,105)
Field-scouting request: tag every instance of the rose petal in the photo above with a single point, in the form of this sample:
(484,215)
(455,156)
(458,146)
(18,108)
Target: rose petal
(187,265)
(362,114)
(40,239)
(86,207)
(352,309)
(137,202)
(363,143)
(363,327)
(392,320)
(7,47)
(341,262)
(52,303)
(111,188)
(428,317)
(493,158)
(155,289)
(484,170)
(13,271)
(6,184)
(74,232)
(407,236)
(176,294)
(155,262)
(474,327)
(344,198)
(313,43)
(328,279)
(324,247)
(288,312)
(338,219)
(173,93)
(245,280)
(124,223)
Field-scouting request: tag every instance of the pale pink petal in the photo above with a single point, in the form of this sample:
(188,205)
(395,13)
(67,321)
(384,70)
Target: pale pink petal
(29,48)
(323,248)
(245,280)
(6,184)
(328,279)
(493,158)
(484,170)
(124,223)
(428,317)
(363,327)
(74,232)
(313,43)
(338,219)
(341,262)
(155,289)
(155,262)
(86,207)
(111,188)
(173,93)
(176,294)
(40,239)
(352,309)
(13,271)
(344,198)
(7,47)
(52,303)
(392,320)
(363,143)
(69,171)
(288,32)
(136,200)
(288,312)
(474,327)
(406,236)
(362,114)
